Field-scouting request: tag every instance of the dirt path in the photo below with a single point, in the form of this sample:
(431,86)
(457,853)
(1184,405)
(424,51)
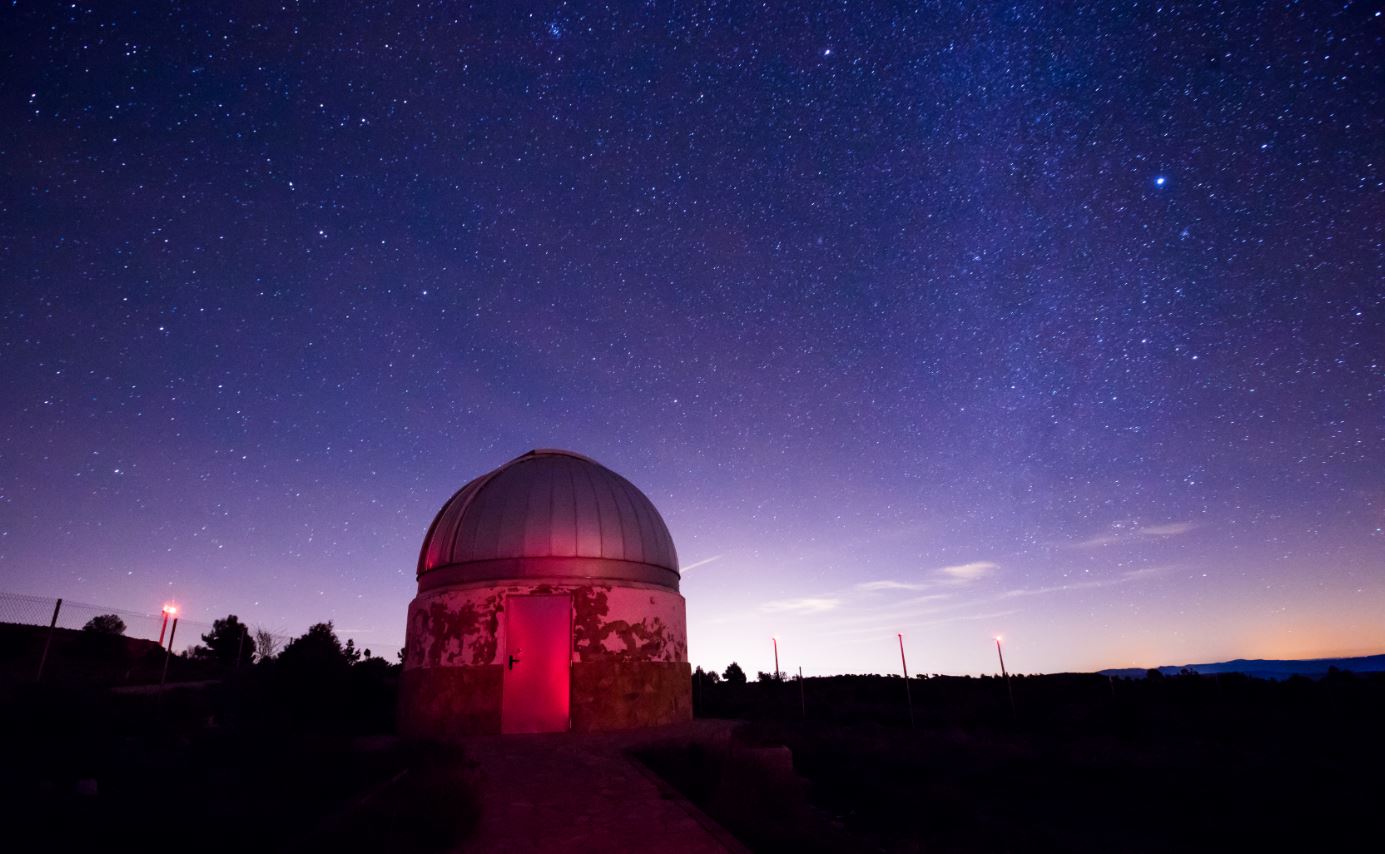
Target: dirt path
(570,792)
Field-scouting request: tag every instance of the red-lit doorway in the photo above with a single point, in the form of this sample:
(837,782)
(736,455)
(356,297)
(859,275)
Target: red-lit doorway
(538,648)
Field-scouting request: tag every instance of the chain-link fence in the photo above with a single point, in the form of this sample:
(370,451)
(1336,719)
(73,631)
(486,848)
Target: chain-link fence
(41,612)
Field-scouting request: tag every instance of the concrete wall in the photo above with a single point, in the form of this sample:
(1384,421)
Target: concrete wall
(629,657)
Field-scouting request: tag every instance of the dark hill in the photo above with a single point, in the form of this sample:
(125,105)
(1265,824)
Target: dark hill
(1267,668)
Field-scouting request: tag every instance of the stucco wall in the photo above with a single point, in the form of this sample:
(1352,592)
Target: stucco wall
(465,626)
(629,657)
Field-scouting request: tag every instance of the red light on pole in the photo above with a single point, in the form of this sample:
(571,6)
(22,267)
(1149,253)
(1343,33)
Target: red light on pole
(169,610)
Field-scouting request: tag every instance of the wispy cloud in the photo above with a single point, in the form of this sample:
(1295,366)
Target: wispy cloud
(690,567)
(894,612)
(1168,529)
(969,571)
(875,631)
(886,584)
(1097,541)
(961,573)
(1125,532)
(803,605)
(1087,583)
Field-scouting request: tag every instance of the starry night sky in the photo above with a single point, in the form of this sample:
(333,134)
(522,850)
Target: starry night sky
(1060,321)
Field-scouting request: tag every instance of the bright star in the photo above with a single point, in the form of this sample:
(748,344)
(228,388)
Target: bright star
(1159,181)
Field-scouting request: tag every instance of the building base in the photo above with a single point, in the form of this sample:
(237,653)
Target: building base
(447,703)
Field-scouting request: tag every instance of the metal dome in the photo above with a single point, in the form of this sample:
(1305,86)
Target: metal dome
(548,513)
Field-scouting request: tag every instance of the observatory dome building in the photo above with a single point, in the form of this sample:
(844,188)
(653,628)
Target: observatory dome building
(547,600)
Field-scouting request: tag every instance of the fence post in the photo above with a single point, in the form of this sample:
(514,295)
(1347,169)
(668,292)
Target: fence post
(1006,676)
(168,653)
(908,693)
(48,641)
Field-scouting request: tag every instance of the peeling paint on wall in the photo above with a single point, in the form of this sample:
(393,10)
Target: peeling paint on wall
(464,628)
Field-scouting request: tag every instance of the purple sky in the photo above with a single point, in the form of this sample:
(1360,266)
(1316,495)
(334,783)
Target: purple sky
(1056,322)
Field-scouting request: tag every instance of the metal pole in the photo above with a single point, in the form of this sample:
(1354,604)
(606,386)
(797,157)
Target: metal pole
(776,657)
(48,641)
(240,645)
(802,703)
(163,626)
(1006,677)
(908,692)
(168,653)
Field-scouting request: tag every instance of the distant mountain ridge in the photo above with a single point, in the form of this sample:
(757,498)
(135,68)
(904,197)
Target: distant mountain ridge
(1266,668)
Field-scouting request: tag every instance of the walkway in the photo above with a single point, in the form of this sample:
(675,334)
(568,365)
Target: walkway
(580,792)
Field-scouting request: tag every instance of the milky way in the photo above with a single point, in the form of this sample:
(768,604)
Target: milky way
(1063,322)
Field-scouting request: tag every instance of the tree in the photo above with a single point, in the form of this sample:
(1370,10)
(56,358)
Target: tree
(105,624)
(352,654)
(734,675)
(318,649)
(228,639)
(266,644)
(713,677)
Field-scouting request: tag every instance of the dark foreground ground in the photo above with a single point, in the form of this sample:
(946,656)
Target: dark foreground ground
(275,759)
(251,761)
(1084,764)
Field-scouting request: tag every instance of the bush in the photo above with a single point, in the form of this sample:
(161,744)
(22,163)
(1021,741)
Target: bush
(105,624)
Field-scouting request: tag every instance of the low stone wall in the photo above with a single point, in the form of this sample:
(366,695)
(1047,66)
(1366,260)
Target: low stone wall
(614,694)
(448,703)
